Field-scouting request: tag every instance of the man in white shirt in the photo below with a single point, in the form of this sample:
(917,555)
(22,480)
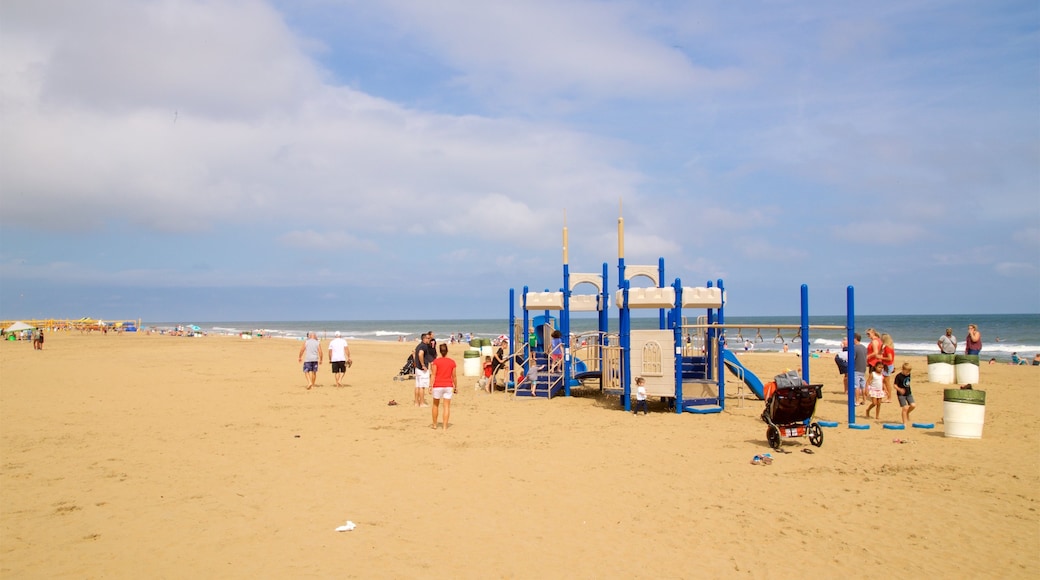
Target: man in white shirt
(339,356)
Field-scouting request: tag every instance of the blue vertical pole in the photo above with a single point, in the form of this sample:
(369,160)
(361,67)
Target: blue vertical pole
(626,344)
(604,318)
(604,310)
(623,338)
(677,334)
(565,324)
(709,340)
(804,331)
(850,324)
(721,370)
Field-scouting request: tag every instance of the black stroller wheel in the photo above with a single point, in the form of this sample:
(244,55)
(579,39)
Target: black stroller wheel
(773,436)
(815,434)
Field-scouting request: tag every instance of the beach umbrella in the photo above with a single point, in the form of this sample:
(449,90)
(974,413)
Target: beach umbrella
(17,326)
(195,328)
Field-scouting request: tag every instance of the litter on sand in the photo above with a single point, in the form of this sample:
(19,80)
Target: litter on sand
(346,527)
(764,459)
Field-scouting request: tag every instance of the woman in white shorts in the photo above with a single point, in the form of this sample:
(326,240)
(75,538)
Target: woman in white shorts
(444,384)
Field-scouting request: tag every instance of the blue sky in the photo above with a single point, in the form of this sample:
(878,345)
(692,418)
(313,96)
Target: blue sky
(338,159)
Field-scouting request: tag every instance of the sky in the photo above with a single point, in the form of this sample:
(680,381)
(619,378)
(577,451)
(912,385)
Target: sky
(229,160)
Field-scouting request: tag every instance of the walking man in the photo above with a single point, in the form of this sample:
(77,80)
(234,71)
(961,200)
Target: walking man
(859,368)
(311,357)
(422,361)
(339,358)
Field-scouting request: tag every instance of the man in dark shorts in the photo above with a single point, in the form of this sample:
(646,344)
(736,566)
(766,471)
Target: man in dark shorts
(311,357)
(339,358)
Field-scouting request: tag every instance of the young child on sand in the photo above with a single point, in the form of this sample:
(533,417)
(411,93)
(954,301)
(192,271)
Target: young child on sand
(487,375)
(906,398)
(875,388)
(640,396)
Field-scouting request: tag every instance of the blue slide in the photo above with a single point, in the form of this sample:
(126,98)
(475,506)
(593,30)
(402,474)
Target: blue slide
(740,371)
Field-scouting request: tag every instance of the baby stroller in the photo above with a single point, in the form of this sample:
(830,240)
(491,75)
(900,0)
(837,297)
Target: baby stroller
(408,370)
(790,409)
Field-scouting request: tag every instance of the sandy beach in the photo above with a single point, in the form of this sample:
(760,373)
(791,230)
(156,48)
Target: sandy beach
(134,456)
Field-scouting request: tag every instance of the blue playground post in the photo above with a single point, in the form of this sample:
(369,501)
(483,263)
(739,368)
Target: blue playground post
(850,324)
(604,313)
(624,331)
(565,325)
(721,371)
(804,332)
(676,322)
(711,334)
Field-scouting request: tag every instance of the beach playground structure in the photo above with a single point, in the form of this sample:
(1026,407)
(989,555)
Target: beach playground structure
(681,361)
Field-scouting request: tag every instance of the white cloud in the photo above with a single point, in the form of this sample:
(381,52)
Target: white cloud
(225,132)
(880,232)
(548,49)
(1016,269)
(763,250)
(1029,236)
(331,242)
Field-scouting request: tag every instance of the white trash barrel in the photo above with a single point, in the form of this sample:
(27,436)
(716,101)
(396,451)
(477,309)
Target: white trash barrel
(941,369)
(964,413)
(471,363)
(966,368)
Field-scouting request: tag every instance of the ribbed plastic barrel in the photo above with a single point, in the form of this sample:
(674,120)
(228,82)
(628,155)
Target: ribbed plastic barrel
(966,368)
(475,342)
(471,362)
(941,369)
(964,413)
(485,347)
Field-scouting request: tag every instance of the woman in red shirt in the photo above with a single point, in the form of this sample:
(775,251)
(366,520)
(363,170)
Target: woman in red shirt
(888,358)
(443,384)
(873,348)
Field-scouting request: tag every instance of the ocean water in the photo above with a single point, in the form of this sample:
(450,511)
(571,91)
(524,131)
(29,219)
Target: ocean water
(1002,334)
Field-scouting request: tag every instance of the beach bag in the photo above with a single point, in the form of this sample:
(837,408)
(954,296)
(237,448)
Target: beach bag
(788,379)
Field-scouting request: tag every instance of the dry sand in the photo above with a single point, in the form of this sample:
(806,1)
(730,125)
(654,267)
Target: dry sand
(162,457)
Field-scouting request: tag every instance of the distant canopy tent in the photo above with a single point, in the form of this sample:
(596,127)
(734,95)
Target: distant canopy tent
(17,327)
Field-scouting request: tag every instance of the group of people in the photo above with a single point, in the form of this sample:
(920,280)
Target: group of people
(436,374)
(37,339)
(874,376)
(493,365)
(35,335)
(973,343)
(311,356)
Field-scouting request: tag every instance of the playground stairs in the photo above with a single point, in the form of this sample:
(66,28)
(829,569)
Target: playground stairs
(694,375)
(701,409)
(694,368)
(546,385)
